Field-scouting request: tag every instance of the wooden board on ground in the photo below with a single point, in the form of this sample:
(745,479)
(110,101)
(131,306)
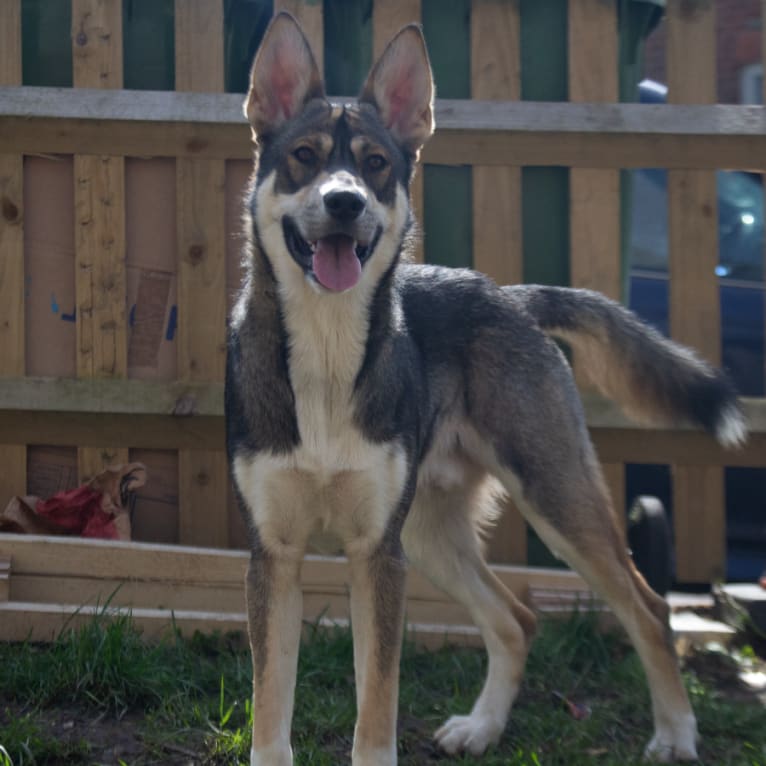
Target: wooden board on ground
(53,578)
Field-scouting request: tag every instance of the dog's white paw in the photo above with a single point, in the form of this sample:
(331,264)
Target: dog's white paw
(674,743)
(469,733)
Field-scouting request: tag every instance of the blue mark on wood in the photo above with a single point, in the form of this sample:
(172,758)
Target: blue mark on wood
(172,323)
(54,304)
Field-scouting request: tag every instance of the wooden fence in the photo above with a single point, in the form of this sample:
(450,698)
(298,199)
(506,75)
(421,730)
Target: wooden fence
(119,249)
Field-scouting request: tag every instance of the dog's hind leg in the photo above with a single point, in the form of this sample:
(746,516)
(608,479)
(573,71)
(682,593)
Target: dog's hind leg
(593,547)
(544,457)
(441,539)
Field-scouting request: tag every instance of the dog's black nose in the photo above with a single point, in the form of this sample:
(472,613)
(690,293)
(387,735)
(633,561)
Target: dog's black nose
(344,205)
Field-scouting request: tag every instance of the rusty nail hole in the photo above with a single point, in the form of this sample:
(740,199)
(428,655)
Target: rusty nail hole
(196,253)
(81,38)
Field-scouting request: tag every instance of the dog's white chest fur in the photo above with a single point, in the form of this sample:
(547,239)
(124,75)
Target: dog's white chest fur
(335,483)
(326,336)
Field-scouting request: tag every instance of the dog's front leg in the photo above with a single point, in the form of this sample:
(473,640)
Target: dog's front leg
(275,606)
(377,616)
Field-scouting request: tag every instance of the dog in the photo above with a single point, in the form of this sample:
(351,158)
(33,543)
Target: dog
(385,405)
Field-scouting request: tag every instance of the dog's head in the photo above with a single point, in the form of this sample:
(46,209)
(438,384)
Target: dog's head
(332,185)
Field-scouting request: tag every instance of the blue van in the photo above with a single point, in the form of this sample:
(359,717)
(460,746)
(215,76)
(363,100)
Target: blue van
(743,315)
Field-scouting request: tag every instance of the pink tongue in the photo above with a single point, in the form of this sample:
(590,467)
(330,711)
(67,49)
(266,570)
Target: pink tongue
(335,263)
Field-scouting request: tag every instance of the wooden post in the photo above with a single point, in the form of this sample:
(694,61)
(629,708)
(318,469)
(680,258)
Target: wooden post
(594,194)
(387,19)
(695,318)
(200,220)
(13,458)
(497,247)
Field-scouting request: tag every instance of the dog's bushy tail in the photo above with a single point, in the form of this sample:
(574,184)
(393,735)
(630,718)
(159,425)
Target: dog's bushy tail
(656,380)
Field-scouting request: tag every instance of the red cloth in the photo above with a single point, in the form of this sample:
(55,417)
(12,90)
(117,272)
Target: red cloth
(79,511)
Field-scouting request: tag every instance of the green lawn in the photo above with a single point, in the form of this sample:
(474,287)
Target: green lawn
(101,695)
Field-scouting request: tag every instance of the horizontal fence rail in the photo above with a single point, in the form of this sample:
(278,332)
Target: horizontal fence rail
(469,132)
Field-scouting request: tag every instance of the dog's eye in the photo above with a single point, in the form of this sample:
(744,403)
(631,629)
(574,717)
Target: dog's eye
(305,155)
(375,162)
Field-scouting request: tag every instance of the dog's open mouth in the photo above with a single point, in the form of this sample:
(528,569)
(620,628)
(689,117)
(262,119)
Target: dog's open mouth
(335,260)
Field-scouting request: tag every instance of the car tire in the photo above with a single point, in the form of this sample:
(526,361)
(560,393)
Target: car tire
(650,541)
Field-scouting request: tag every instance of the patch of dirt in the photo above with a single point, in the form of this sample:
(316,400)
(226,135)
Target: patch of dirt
(722,672)
(107,740)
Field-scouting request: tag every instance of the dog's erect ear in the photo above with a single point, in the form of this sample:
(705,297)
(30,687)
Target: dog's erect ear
(400,87)
(283,78)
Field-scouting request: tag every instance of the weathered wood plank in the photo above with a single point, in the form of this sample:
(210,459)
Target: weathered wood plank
(5,578)
(614,444)
(201,235)
(699,507)
(387,20)
(201,269)
(147,397)
(55,120)
(594,194)
(100,281)
(93,429)
(496,76)
(62,420)
(111,396)
(100,266)
(199,46)
(309,14)
(497,246)
(69,557)
(13,457)
(10,42)
(97,43)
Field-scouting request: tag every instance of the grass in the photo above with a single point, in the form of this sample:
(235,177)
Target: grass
(102,695)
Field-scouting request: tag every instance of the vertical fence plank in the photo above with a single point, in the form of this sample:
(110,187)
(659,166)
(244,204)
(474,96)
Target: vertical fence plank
(594,195)
(497,246)
(308,13)
(496,75)
(13,458)
(99,192)
(695,317)
(200,220)
(387,20)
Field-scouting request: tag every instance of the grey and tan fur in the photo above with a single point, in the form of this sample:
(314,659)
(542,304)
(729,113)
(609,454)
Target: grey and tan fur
(384,405)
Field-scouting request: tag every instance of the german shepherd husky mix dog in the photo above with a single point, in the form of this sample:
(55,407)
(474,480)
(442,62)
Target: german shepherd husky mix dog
(385,405)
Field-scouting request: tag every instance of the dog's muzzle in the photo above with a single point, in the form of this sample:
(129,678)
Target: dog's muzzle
(334,260)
